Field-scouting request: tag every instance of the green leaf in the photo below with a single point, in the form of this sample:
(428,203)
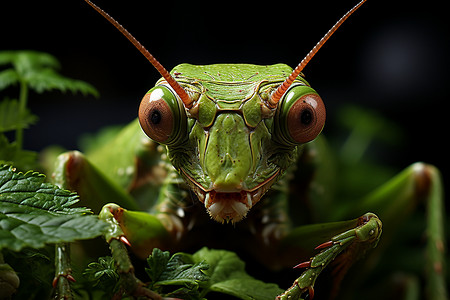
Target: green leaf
(34,213)
(38,71)
(102,272)
(227,275)
(182,270)
(48,79)
(12,119)
(8,77)
(103,278)
(10,154)
(208,270)
(7,57)
(26,60)
(157,263)
(179,269)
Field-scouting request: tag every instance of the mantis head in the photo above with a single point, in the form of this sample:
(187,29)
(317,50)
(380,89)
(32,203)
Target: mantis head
(231,139)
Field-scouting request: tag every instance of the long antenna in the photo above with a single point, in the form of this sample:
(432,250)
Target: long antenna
(164,73)
(276,96)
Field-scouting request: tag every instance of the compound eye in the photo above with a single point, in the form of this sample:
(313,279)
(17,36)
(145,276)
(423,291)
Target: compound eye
(300,116)
(306,118)
(156,114)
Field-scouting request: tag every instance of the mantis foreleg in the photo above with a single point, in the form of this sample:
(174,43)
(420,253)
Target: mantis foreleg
(350,245)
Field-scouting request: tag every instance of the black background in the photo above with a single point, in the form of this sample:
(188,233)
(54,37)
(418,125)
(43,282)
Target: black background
(390,56)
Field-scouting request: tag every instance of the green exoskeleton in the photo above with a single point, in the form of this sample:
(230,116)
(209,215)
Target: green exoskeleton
(237,144)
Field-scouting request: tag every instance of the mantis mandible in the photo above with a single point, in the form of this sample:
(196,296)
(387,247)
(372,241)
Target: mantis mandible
(235,138)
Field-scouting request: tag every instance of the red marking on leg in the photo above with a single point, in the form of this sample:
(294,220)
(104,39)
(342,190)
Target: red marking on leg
(324,245)
(55,282)
(68,277)
(305,264)
(311,292)
(124,240)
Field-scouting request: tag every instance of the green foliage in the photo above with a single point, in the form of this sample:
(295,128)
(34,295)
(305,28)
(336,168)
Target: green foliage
(11,118)
(227,275)
(9,281)
(11,154)
(38,71)
(31,70)
(102,275)
(187,276)
(180,273)
(361,155)
(366,127)
(28,59)
(157,263)
(34,213)
(35,268)
(102,271)
(205,271)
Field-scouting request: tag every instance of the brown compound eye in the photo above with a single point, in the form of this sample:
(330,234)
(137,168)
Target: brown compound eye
(156,115)
(300,116)
(306,118)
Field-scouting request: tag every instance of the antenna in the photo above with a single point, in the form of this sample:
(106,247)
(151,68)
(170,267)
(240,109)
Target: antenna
(276,96)
(164,73)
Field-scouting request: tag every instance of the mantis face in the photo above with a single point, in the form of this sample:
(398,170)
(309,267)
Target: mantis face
(230,146)
(231,130)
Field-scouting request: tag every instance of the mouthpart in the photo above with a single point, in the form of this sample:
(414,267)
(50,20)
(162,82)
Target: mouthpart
(229,206)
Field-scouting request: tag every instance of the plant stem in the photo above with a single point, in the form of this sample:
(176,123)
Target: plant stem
(436,246)
(125,269)
(23,98)
(62,272)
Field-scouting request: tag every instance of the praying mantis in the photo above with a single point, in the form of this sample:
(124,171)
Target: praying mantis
(242,142)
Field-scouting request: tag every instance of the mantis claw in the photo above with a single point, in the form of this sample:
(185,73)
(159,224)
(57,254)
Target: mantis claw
(306,264)
(324,245)
(311,292)
(69,277)
(124,240)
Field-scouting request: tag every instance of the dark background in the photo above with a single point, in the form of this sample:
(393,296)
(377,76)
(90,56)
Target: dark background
(390,56)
